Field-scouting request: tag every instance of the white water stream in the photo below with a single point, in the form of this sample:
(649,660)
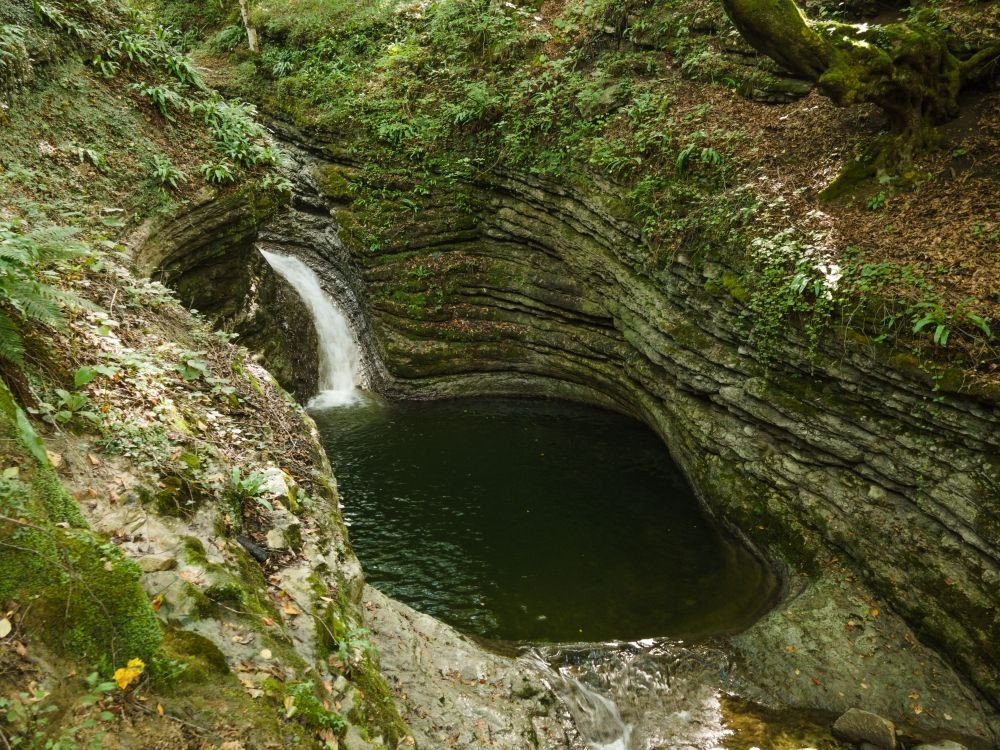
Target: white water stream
(643,695)
(339,359)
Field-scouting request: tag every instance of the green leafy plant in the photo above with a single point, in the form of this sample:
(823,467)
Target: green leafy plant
(243,489)
(68,404)
(165,173)
(876,202)
(25,294)
(14,59)
(353,646)
(105,67)
(303,705)
(26,719)
(192,366)
(57,18)
(86,374)
(90,156)
(932,316)
(162,96)
(217,173)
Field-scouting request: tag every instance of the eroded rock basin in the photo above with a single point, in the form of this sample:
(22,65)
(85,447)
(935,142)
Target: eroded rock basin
(532,520)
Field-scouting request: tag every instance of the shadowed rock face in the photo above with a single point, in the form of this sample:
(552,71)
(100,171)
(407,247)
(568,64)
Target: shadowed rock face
(846,465)
(207,254)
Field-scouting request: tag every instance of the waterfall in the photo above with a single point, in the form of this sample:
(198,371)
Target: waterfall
(339,360)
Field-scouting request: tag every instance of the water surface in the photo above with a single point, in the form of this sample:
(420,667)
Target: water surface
(534,521)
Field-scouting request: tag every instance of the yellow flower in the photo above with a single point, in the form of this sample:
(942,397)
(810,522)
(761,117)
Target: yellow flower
(128,674)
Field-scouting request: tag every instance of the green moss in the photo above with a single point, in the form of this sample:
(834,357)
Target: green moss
(203,658)
(226,592)
(80,595)
(334,182)
(94,609)
(732,284)
(59,504)
(194,550)
(377,710)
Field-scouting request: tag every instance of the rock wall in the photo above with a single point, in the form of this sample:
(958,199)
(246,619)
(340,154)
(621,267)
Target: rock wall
(207,254)
(843,467)
(545,289)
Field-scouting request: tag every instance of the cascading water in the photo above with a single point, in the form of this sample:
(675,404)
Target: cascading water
(641,695)
(339,359)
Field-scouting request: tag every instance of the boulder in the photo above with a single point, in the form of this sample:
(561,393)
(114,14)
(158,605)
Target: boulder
(858,726)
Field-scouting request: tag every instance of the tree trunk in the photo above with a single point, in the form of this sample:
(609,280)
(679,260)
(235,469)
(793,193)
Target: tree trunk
(907,69)
(778,29)
(251,31)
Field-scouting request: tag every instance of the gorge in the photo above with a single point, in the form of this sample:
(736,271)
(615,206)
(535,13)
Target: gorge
(811,466)
(536,318)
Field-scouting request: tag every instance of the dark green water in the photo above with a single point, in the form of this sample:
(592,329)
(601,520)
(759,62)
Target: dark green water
(535,521)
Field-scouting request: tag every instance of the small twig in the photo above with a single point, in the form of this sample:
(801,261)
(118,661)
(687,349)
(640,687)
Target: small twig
(19,522)
(165,715)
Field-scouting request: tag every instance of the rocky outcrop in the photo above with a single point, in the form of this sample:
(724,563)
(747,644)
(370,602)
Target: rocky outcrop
(206,253)
(455,694)
(547,289)
(845,467)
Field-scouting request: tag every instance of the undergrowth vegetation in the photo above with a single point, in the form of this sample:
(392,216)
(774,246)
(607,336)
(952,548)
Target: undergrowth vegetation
(423,97)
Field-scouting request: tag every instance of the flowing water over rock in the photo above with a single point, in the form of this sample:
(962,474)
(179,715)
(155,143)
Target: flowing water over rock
(339,359)
(644,694)
(544,522)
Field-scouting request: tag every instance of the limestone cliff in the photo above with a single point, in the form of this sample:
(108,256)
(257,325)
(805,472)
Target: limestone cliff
(876,495)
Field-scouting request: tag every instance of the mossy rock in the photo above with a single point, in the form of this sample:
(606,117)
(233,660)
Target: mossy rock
(91,606)
(203,658)
(79,594)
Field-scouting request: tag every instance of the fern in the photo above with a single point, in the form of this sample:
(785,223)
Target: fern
(11,346)
(24,296)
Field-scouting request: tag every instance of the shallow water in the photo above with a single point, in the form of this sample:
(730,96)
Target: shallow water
(534,521)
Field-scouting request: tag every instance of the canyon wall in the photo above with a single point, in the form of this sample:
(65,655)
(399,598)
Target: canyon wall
(841,463)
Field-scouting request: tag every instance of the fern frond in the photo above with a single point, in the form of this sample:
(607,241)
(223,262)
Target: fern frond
(11,343)
(29,299)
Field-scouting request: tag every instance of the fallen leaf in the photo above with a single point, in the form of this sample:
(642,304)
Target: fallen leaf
(5,627)
(874,611)
(918,710)
(267,621)
(157,602)
(159,709)
(94,460)
(265,653)
(790,649)
(290,610)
